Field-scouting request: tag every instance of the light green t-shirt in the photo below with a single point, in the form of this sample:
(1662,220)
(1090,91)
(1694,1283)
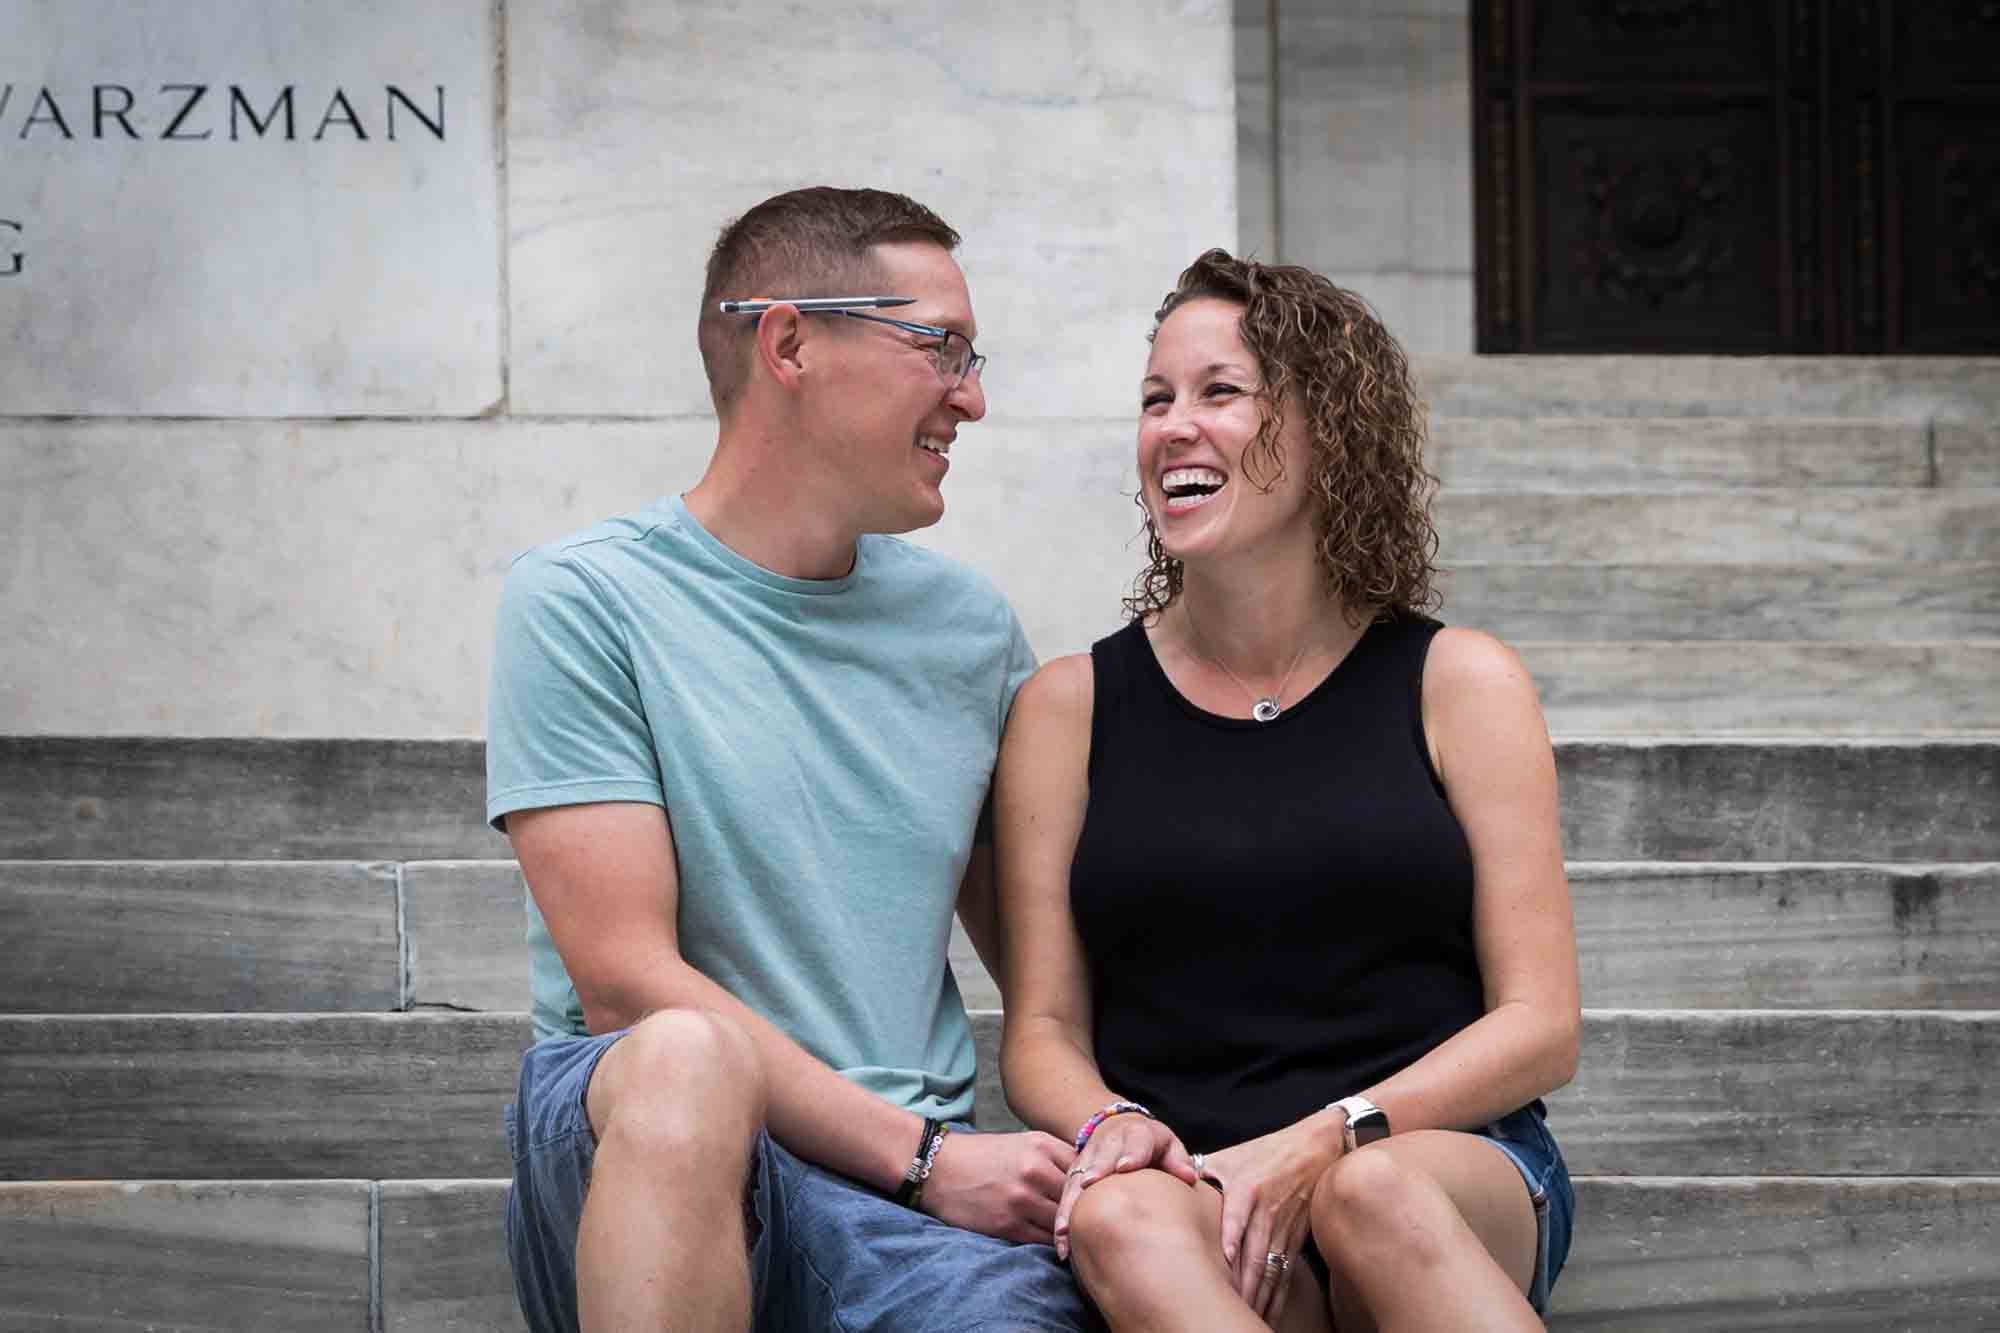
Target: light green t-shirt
(823,749)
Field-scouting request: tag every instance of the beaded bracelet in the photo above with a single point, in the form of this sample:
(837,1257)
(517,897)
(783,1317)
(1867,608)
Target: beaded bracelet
(920,1164)
(930,1160)
(1116,1108)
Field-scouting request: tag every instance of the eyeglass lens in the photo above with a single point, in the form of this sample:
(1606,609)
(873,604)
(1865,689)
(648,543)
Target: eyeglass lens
(954,357)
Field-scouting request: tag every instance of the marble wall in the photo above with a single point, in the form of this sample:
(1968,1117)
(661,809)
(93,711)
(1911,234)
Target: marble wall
(249,208)
(1355,153)
(279,400)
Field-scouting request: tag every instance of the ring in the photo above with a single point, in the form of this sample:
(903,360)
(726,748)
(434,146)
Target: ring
(1076,1170)
(1277,1262)
(1199,1162)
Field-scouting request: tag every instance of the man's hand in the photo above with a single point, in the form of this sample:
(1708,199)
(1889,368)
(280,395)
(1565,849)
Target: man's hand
(1003,1185)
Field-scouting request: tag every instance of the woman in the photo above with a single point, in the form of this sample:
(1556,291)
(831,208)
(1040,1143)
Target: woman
(1283,843)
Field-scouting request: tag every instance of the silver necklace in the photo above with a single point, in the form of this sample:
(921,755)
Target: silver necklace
(1263,707)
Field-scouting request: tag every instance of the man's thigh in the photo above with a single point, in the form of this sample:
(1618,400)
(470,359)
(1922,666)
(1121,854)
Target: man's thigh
(845,1257)
(554,1147)
(549,1137)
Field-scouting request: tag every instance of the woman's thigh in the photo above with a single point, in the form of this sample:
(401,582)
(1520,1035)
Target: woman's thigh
(1483,1184)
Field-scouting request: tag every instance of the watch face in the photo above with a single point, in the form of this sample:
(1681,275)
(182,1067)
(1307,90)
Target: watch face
(1369,1126)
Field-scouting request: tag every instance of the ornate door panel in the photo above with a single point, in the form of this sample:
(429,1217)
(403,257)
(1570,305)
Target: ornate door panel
(1937,98)
(1738,175)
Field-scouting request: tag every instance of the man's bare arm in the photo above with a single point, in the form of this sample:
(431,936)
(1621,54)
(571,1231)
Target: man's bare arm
(605,879)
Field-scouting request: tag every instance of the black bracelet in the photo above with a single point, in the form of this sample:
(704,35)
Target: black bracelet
(913,1179)
(924,1174)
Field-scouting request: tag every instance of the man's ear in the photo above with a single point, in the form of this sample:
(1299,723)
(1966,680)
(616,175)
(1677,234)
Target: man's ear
(780,343)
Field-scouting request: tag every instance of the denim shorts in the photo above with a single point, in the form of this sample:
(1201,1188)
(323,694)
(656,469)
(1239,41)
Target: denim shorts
(825,1252)
(1526,1140)
(1524,1136)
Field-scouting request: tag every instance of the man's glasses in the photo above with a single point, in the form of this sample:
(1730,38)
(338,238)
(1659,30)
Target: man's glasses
(952,354)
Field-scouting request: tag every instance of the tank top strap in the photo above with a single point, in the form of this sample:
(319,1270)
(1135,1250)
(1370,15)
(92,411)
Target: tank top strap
(1403,648)
(1117,662)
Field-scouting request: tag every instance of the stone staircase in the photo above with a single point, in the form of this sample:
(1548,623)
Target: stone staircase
(263,997)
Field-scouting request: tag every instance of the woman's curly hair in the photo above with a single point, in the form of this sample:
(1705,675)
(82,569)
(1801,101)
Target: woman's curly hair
(1364,421)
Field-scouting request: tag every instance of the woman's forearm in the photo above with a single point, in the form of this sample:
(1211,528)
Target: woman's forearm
(1513,1054)
(1051,1076)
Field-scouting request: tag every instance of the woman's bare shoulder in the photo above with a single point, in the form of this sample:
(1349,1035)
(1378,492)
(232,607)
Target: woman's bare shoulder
(1470,663)
(1060,689)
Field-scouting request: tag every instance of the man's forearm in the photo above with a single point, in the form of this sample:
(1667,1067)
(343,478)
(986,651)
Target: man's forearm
(815,1112)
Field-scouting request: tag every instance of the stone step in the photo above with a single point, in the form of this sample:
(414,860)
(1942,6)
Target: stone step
(339,1096)
(261,936)
(444,1259)
(1672,935)
(1778,800)
(1654,1252)
(1810,689)
(1678,935)
(1958,389)
(247,1097)
(119,1256)
(1753,1092)
(1524,601)
(1693,454)
(200,936)
(1787,526)
(1686,1255)
(1639,798)
(1965,453)
(120,797)
(242,937)
(237,937)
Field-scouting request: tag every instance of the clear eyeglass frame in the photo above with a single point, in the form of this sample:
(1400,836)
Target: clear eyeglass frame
(953,355)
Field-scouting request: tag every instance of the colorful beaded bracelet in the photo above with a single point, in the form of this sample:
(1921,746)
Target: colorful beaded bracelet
(1116,1108)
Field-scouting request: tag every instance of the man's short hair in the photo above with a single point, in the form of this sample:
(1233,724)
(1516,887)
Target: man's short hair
(811,242)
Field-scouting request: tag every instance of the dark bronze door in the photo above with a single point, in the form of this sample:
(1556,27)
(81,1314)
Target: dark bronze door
(1738,175)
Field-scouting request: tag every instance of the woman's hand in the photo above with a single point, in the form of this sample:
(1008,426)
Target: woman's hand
(1267,1186)
(1127,1141)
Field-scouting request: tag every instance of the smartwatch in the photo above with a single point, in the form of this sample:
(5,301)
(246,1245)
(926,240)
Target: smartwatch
(1366,1122)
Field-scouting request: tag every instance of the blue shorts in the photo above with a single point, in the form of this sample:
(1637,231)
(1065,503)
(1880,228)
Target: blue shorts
(1524,1136)
(1526,1140)
(825,1252)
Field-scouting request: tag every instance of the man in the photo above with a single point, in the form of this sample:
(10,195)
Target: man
(741,743)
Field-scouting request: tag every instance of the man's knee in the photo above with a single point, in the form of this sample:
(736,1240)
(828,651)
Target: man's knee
(680,1085)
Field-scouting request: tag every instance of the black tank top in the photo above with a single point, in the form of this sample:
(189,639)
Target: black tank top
(1275,914)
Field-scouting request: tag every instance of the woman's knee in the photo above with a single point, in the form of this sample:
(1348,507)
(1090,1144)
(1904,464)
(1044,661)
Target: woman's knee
(1129,1224)
(1369,1208)
(682,1083)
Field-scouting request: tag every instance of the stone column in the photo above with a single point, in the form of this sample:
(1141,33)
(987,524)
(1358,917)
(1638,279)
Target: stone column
(1364,170)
